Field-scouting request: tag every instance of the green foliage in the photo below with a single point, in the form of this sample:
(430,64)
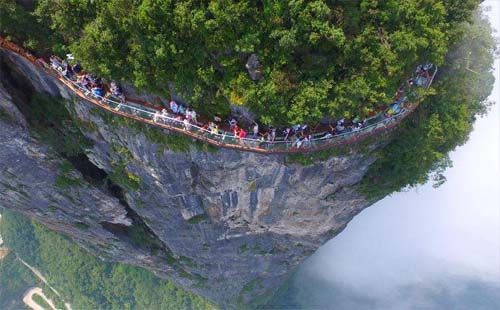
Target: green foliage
(85,281)
(65,179)
(41,302)
(335,58)
(171,141)
(420,148)
(125,179)
(50,122)
(198,219)
(141,237)
(14,281)
(81,225)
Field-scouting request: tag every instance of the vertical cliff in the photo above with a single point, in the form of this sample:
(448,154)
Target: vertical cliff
(228,225)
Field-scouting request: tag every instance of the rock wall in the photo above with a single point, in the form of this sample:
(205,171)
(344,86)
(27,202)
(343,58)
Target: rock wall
(231,225)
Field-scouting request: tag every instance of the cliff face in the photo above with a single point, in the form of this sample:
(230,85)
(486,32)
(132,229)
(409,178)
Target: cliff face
(228,225)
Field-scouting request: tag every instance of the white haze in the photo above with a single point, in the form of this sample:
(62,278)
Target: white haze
(423,249)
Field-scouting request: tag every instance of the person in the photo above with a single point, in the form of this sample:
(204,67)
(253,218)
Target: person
(242,135)
(117,91)
(272,136)
(83,81)
(255,131)
(156,117)
(203,128)
(193,116)
(232,124)
(92,78)
(340,127)
(286,133)
(298,142)
(77,68)
(236,129)
(187,124)
(98,92)
(215,130)
(308,141)
(174,107)
(66,69)
(188,114)
(54,62)
(181,110)
(262,141)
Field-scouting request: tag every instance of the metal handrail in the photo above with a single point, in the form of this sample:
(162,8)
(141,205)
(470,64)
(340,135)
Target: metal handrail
(223,139)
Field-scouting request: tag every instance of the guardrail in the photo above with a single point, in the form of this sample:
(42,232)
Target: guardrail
(149,115)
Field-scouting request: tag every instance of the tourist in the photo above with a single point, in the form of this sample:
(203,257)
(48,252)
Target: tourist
(174,107)
(193,117)
(232,124)
(255,131)
(156,117)
(272,136)
(308,141)
(236,129)
(242,135)
(55,63)
(181,110)
(117,91)
(298,142)
(98,92)
(77,68)
(340,128)
(215,130)
(187,124)
(204,129)
(286,133)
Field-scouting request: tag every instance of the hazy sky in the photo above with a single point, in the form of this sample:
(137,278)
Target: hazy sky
(423,249)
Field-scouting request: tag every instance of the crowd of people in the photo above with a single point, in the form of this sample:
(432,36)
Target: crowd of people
(297,136)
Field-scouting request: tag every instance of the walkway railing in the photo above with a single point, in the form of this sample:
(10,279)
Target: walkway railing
(147,114)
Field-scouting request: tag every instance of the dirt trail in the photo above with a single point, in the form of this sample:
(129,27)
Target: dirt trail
(28,299)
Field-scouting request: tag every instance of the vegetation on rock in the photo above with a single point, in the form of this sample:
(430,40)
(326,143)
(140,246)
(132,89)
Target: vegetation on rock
(319,58)
(83,280)
(419,149)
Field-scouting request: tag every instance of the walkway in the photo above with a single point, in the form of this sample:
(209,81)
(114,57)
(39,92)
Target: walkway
(147,113)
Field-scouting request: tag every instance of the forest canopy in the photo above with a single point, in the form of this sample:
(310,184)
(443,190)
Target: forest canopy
(317,58)
(83,280)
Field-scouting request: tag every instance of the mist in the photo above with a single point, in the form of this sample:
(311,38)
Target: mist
(427,248)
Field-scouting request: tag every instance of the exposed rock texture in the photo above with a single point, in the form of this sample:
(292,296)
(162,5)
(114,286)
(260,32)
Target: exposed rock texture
(232,225)
(254,67)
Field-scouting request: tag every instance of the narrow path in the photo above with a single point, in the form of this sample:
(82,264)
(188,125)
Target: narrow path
(28,299)
(146,113)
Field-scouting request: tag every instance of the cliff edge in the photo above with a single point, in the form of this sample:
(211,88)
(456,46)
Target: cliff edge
(228,225)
